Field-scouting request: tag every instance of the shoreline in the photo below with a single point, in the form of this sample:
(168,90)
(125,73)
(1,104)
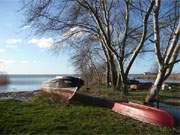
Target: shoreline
(19,95)
(27,95)
(153,77)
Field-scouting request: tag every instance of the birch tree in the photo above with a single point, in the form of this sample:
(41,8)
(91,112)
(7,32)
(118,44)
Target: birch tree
(168,57)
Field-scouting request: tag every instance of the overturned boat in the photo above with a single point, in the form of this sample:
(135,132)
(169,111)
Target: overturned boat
(63,85)
(67,87)
(136,111)
(141,86)
(145,113)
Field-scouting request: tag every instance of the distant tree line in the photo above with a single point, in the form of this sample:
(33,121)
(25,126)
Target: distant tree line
(112,33)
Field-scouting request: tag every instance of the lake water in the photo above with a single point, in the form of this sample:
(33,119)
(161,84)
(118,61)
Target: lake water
(167,81)
(33,82)
(25,82)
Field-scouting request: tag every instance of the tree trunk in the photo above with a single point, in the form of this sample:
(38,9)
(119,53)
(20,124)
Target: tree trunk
(108,74)
(113,72)
(154,92)
(118,82)
(113,75)
(124,86)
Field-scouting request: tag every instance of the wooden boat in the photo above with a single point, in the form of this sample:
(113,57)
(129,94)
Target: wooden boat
(141,86)
(67,93)
(136,111)
(145,114)
(133,81)
(65,86)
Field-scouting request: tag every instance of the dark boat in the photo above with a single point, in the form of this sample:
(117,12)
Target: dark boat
(63,85)
(133,81)
(141,86)
(67,87)
(137,85)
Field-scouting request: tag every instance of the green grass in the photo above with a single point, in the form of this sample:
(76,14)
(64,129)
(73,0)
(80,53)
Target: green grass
(44,115)
(134,95)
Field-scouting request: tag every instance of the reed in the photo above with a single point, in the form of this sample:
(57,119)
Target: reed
(4,79)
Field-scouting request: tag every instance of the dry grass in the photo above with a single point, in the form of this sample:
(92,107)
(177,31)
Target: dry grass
(4,79)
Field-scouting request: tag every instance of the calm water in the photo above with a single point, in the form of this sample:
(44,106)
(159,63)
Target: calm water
(32,82)
(167,81)
(25,82)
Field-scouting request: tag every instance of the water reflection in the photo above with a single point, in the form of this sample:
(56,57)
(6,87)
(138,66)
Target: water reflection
(3,88)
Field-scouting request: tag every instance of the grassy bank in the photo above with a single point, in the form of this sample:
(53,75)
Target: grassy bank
(134,95)
(46,115)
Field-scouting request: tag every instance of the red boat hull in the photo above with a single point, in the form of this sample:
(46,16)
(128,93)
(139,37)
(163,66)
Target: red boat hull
(145,114)
(141,86)
(67,93)
(136,111)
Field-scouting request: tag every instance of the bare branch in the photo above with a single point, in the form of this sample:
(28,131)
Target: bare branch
(173,44)
(138,48)
(157,32)
(126,29)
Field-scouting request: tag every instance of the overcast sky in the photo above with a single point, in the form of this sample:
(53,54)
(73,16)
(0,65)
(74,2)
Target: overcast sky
(23,53)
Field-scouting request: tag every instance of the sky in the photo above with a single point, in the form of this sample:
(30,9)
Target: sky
(21,52)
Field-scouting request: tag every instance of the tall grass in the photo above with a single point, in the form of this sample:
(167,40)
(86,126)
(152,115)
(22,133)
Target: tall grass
(4,79)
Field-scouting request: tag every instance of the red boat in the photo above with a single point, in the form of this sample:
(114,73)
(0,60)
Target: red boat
(141,86)
(136,111)
(145,114)
(67,93)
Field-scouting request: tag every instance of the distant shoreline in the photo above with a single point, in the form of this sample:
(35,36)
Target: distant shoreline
(136,76)
(153,77)
(39,74)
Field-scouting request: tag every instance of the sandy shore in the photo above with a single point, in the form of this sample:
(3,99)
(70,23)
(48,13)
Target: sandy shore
(22,95)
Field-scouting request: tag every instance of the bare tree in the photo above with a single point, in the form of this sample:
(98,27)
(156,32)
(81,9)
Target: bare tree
(89,60)
(110,22)
(169,54)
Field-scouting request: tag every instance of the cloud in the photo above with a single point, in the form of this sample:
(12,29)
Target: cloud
(3,61)
(13,41)
(8,61)
(42,42)
(24,61)
(34,61)
(75,31)
(2,50)
(26,27)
